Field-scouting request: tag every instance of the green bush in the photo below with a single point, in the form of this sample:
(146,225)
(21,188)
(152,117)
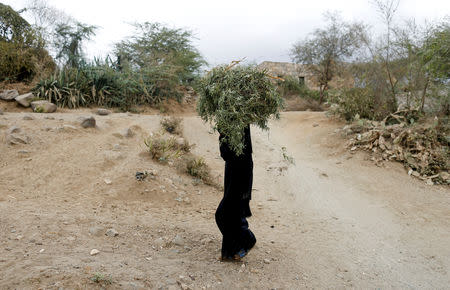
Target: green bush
(102,84)
(22,56)
(354,101)
(292,87)
(289,86)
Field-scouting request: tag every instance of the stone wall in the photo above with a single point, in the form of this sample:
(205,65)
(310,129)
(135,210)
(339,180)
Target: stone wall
(283,69)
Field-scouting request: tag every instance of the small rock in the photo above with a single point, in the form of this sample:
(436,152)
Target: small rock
(1,111)
(16,139)
(43,107)
(27,117)
(87,122)
(25,99)
(116,147)
(107,181)
(111,233)
(49,118)
(178,240)
(68,128)
(94,252)
(184,279)
(23,152)
(266,261)
(42,250)
(103,112)
(127,133)
(315,125)
(206,241)
(159,242)
(430,182)
(14,129)
(9,95)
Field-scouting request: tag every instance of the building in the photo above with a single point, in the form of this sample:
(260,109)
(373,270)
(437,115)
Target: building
(303,74)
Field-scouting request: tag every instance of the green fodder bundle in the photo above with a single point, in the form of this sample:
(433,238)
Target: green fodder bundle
(233,97)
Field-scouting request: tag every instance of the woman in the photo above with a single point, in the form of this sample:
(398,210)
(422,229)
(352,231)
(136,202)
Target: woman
(234,208)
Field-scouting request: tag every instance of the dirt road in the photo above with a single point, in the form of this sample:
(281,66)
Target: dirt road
(331,220)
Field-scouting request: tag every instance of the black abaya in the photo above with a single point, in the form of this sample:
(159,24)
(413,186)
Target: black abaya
(235,206)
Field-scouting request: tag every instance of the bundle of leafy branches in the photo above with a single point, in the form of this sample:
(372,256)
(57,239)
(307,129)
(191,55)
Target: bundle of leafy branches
(232,97)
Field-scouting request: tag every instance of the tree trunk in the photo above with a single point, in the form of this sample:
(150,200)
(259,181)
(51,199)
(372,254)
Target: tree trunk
(424,92)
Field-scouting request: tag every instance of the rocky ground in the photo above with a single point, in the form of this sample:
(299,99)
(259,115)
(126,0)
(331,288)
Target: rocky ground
(73,214)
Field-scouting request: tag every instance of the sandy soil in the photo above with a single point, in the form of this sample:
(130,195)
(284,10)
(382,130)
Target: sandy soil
(332,220)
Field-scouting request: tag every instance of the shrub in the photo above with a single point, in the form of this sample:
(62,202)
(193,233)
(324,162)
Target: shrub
(22,56)
(101,278)
(290,86)
(353,102)
(172,125)
(161,148)
(195,167)
(100,83)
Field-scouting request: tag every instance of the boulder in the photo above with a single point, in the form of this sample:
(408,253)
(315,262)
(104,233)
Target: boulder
(43,107)
(103,112)
(25,99)
(9,95)
(87,122)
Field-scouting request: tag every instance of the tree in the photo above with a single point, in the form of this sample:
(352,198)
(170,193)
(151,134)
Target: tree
(13,28)
(436,51)
(435,57)
(68,41)
(155,45)
(325,50)
(22,55)
(45,20)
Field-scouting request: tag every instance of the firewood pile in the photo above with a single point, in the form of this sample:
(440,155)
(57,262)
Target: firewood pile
(423,148)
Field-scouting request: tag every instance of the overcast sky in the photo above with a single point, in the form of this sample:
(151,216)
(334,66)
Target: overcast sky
(234,29)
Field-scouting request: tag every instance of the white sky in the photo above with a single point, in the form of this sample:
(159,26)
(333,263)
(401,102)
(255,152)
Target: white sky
(230,30)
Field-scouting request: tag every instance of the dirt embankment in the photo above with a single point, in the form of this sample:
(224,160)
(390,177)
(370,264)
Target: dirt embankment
(333,219)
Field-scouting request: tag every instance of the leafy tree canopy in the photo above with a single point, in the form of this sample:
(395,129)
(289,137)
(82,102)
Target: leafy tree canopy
(157,45)
(326,47)
(13,28)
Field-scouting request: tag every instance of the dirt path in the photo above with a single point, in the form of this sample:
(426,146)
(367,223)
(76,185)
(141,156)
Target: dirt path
(357,225)
(332,220)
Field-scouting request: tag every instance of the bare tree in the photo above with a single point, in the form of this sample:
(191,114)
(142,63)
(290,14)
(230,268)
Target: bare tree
(387,10)
(325,50)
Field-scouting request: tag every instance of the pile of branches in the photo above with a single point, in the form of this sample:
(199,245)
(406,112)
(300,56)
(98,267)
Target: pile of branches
(423,148)
(233,97)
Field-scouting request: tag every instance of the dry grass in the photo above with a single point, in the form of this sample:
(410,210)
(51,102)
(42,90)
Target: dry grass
(173,125)
(196,167)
